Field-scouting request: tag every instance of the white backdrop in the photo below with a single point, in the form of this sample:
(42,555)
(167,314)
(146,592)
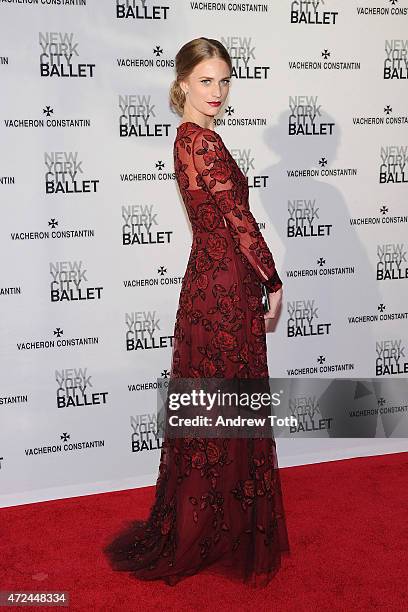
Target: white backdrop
(317,119)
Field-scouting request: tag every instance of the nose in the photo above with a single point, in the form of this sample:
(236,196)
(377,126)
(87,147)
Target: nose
(216,93)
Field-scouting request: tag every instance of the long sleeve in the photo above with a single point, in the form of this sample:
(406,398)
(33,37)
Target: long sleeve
(215,175)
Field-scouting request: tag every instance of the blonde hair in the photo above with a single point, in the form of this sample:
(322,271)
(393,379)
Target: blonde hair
(187,58)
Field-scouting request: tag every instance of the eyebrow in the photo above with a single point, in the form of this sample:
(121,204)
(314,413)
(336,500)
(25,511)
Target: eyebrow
(207,77)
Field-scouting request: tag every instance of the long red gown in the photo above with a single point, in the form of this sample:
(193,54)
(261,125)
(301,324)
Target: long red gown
(218,502)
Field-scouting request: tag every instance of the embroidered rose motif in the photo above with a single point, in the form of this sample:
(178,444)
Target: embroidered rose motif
(209,157)
(213,452)
(198,459)
(202,281)
(208,217)
(220,171)
(225,304)
(208,368)
(202,261)
(186,302)
(225,341)
(225,201)
(249,488)
(216,246)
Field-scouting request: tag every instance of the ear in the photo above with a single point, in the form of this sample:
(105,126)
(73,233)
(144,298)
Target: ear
(183,86)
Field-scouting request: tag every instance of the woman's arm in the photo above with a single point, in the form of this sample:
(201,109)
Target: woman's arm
(214,175)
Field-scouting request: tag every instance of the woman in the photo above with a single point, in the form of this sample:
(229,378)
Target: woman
(218,500)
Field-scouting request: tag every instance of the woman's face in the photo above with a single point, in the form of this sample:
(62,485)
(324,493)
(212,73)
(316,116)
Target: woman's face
(209,82)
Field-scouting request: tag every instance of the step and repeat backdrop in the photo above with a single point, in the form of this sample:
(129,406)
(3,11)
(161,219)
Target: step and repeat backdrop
(95,239)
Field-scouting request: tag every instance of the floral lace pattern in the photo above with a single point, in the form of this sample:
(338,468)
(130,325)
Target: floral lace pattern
(218,502)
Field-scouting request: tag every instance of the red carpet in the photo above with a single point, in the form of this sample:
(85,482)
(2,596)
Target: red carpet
(347,523)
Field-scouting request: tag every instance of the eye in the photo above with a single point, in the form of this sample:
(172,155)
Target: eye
(208,80)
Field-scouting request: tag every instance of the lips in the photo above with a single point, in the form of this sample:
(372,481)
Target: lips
(214,103)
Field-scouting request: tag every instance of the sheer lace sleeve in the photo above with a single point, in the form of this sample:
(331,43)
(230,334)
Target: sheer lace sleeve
(214,174)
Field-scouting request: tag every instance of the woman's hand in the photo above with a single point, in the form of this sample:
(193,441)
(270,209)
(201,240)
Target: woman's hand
(275,302)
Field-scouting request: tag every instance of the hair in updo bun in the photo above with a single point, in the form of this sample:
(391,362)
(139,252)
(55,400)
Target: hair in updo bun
(187,58)
(177,97)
